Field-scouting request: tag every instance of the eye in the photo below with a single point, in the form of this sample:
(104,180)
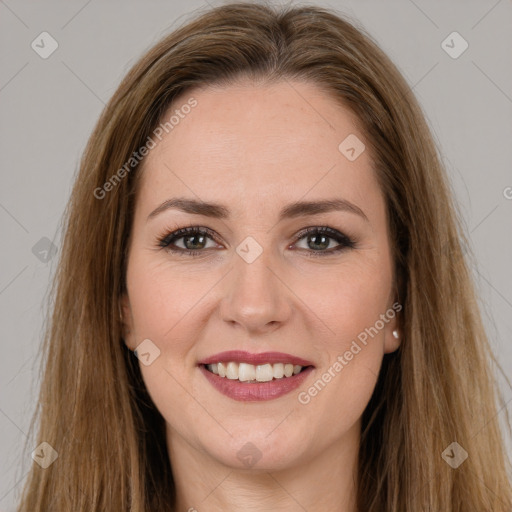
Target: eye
(319,238)
(195,239)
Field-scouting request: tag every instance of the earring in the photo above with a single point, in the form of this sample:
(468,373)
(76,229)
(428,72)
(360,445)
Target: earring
(395,334)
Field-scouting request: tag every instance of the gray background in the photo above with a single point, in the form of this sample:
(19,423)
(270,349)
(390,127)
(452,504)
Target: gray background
(48,108)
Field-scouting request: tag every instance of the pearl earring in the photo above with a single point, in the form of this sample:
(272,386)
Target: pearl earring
(395,334)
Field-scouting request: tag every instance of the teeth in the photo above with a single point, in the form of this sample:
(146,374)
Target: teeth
(246,372)
(232,371)
(264,372)
(278,370)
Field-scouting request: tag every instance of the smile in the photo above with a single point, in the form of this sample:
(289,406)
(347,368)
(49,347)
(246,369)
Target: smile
(255,377)
(245,372)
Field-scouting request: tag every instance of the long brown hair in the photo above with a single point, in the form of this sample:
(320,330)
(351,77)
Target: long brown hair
(438,388)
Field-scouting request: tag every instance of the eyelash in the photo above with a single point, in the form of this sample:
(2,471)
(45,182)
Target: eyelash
(344,241)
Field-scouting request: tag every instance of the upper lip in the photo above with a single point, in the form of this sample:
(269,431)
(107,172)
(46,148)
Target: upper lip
(241,356)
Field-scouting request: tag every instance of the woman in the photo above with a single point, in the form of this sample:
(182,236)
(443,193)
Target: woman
(262,302)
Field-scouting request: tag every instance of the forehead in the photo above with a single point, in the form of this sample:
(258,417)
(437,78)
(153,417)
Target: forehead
(246,141)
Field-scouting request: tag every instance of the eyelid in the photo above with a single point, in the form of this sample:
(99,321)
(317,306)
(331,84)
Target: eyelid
(343,240)
(177,233)
(329,232)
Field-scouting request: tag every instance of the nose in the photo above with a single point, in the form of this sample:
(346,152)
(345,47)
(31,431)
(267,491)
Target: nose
(255,296)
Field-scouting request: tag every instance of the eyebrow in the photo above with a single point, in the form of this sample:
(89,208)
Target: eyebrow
(293,210)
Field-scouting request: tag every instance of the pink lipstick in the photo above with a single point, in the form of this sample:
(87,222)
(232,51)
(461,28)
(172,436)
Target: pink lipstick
(243,376)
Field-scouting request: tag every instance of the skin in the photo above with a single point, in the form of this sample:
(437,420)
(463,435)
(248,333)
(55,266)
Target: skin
(256,148)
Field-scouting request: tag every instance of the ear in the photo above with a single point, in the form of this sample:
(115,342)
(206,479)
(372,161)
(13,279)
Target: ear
(126,318)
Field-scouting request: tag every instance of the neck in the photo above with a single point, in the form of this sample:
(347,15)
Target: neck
(327,481)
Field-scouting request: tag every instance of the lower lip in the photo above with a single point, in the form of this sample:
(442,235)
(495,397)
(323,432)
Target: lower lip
(255,392)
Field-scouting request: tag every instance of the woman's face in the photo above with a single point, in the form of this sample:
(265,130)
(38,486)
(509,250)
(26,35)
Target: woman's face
(254,282)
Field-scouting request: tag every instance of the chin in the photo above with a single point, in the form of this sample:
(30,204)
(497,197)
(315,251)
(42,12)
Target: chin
(258,449)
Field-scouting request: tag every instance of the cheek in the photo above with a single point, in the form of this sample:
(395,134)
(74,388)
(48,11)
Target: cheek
(337,399)
(162,299)
(348,301)
(167,303)
(341,389)
(354,304)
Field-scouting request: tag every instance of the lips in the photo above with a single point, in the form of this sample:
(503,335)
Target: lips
(241,356)
(244,376)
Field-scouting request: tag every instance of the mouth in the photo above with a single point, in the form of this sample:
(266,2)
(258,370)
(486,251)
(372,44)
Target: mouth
(250,374)
(255,377)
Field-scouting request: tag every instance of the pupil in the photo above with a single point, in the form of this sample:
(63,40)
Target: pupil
(324,244)
(196,246)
